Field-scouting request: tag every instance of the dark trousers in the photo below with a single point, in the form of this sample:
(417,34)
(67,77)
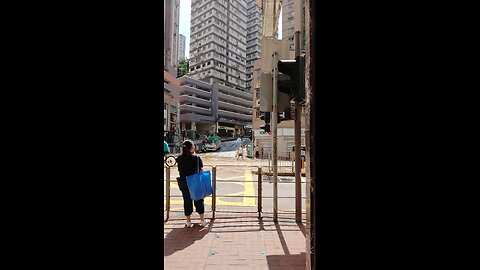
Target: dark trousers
(188,202)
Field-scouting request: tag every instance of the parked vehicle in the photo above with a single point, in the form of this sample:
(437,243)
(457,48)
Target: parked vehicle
(213,143)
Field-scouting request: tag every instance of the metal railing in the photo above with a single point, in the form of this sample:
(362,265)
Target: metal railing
(215,181)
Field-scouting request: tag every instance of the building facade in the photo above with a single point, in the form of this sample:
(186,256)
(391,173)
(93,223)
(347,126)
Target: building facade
(171,15)
(171,106)
(218,37)
(181,47)
(293,18)
(213,108)
(254,38)
(262,141)
(171,109)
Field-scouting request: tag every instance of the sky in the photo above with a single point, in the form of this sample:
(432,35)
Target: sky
(184,24)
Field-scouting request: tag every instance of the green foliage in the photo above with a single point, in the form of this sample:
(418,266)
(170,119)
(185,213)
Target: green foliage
(182,68)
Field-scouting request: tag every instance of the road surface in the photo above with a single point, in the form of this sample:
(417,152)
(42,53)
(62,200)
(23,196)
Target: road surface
(240,173)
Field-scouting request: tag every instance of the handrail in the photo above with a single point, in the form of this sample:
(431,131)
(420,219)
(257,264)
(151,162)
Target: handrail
(259,195)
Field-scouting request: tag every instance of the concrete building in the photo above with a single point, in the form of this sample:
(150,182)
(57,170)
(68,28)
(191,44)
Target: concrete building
(171,9)
(213,108)
(218,37)
(254,38)
(181,47)
(293,18)
(171,106)
(285,132)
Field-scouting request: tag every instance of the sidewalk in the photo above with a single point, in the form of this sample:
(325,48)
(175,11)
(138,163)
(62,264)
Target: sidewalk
(234,241)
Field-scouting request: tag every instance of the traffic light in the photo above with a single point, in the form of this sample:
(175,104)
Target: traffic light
(265,117)
(280,118)
(288,114)
(266,95)
(266,127)
(292,79)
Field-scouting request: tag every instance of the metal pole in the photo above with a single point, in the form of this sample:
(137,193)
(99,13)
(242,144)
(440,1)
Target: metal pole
(298,141)
(274,136)
(214,194)
(168,192)
(269,159)
(259,192)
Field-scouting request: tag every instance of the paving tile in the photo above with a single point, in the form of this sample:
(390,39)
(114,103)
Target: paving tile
(234,241)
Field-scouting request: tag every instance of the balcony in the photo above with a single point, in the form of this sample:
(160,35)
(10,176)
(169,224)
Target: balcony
(233,115)
(234,100)
(233,107)
(196,100)
(184,108)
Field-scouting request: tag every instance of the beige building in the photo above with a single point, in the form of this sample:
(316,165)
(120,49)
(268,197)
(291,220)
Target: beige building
(171,106)
(171,15)
(285,130)
(291,21)
(293,18)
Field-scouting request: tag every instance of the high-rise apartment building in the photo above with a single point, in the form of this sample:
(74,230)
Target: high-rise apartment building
(171,9)
(218,42)
(293,18)
(254,38)
(181,47)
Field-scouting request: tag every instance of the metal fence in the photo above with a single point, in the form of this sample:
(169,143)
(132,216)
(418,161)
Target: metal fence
(255,170)
(285,162)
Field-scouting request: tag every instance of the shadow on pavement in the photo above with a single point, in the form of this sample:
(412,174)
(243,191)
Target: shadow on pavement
(180,238)
(296,261)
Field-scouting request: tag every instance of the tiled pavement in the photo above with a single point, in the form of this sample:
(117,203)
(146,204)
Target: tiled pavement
(234,241)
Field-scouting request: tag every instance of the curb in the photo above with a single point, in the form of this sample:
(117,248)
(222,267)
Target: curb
(278,173)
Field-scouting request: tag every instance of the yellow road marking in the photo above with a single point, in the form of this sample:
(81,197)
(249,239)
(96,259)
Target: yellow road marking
(248,191)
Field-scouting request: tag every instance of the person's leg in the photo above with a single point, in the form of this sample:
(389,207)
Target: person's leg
(187,201)
(200,207)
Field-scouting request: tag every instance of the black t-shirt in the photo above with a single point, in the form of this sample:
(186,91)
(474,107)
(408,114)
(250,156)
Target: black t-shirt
(187,165)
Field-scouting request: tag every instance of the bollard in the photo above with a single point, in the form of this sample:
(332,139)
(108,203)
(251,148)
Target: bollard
(259,192)
(214,186)
(168,192)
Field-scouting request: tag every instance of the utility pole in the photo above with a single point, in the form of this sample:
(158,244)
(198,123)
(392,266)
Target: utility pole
(298,158)
(274,136)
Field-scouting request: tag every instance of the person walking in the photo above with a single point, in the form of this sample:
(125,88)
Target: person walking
(240,153)
(187,165)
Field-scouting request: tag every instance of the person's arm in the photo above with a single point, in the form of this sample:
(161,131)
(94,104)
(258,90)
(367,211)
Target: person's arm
(180,166)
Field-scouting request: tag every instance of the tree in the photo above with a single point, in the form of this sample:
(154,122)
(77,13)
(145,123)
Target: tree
(182,68)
